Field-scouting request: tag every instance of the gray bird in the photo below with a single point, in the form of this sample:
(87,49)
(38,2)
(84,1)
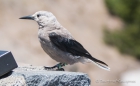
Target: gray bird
(58,42)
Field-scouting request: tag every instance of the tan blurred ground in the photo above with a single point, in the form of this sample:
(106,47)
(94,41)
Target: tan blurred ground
(84,19)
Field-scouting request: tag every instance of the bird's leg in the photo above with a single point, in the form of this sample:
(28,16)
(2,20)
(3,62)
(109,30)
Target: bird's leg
(58,66)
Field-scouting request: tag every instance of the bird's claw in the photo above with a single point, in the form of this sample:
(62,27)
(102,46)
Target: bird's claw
(61,69)
(51,68)
(58,66)
(48,68)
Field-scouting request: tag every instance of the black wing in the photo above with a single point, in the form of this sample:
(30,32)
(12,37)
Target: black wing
(71,46)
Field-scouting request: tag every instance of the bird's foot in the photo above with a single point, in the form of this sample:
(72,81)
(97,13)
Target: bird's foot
(58,66)
(48,68)
(61,69)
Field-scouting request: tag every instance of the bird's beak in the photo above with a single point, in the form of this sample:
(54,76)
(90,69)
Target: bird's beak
(27,17)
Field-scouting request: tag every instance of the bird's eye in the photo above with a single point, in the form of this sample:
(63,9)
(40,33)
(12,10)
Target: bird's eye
(38,15)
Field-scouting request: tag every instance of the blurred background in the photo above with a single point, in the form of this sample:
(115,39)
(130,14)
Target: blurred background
(108,29)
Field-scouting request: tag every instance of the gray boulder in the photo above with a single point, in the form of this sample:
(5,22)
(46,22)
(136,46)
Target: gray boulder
(38,76)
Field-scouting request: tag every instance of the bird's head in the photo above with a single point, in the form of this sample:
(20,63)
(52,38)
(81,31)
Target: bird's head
(43,18)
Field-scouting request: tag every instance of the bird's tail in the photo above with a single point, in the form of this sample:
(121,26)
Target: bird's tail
(100,64)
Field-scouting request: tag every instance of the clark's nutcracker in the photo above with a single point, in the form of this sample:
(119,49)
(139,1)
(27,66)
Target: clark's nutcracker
(58,42)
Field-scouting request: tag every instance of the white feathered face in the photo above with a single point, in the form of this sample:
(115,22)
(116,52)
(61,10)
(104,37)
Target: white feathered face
(42,15)
(43,18)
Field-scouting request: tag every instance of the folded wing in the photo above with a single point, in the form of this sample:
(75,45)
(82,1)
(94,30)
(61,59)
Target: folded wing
(75,48)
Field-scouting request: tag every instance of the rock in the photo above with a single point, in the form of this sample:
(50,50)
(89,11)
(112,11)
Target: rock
(38,76)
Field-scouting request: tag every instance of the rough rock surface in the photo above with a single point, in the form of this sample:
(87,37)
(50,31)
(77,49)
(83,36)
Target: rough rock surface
(37,76)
